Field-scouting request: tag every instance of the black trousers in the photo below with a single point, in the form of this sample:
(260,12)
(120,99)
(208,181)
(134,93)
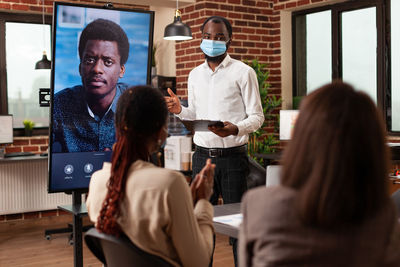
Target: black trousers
(229,179)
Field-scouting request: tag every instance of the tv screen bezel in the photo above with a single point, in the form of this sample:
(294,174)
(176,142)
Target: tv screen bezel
(53,54)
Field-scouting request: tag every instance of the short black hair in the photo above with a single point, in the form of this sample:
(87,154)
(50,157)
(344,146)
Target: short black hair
(105,30)
(218,19)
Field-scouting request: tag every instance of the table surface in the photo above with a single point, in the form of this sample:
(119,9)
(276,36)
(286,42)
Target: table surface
(222,210)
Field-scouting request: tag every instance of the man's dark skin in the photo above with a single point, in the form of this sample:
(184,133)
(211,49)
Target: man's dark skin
(100,69)
(217,32)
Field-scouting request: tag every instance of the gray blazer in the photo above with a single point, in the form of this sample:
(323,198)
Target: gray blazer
(272,235)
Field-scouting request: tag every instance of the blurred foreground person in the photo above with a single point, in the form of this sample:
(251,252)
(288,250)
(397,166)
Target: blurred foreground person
(332,207)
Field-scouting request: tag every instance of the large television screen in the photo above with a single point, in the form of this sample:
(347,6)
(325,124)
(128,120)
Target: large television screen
(97,54)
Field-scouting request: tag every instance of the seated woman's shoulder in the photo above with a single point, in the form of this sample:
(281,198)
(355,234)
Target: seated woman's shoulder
(269,196)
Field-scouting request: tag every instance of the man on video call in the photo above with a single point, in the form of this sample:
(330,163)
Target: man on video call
(83,116)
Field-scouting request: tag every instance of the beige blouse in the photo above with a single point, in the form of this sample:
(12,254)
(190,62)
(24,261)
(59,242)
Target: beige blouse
(157,214)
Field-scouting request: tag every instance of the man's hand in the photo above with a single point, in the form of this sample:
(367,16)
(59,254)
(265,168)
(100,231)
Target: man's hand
(203,184)
(227,130)
(173,103)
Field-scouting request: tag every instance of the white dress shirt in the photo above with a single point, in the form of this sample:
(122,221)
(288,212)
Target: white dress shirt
(230,93)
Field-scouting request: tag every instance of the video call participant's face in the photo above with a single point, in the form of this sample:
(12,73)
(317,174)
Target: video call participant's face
(100,68)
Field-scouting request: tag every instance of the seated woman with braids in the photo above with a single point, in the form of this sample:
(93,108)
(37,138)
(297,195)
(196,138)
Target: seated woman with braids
(153,206)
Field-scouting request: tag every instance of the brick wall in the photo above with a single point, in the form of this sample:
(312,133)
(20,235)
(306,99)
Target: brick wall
(256,34)
(35,144)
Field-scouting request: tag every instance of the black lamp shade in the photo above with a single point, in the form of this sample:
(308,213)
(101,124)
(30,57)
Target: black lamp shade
(177,30)
(44,63)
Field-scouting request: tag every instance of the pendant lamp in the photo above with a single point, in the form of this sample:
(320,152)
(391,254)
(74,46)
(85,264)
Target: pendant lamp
(177,30)
(44,63)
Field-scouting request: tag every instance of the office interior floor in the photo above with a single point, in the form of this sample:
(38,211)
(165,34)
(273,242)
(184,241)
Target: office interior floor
(22,243)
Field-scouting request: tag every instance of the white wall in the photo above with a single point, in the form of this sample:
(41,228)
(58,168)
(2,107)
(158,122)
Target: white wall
(165,53)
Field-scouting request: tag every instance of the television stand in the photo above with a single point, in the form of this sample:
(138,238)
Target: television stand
(78,211)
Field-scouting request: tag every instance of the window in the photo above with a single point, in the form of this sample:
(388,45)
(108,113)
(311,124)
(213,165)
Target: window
(24,38)
(348,41)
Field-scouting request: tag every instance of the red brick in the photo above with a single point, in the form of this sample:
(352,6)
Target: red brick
(23,142)
(30,148)
(38,141)
(262,4)
(234,1)
(13,149)
(279,7)
(234,15)
(49,213)
(248,2)
(262,18)
(241,9)
(254,51)
(290,5)
(248,30)
(179,53)
(211,5)
(254,10)
(254,37)
(188,9)
(35,8)
(185,17)
(240,23)
(303,2)
(195,15)
(226,7)
(34,2)
(190,51)
(248,44)
(4,6)
(254,24)
(31,215)
(20,7)
(240,37)
(221,13)
(43,148)
(12,217)
(241,50)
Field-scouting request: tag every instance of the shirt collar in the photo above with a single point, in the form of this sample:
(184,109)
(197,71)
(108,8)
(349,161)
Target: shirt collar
(223,64)
(113,105)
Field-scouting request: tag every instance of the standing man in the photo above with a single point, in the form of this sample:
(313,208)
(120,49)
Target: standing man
(83,117)
(225,89)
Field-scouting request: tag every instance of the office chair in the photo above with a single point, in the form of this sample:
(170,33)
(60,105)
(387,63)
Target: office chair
(273,176)
(256,176)
(119,251)
(396,199)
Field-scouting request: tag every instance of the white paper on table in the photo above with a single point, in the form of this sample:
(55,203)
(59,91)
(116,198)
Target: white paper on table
(233,220)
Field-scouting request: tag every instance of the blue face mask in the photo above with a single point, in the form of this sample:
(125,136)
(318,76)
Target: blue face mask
(213,48)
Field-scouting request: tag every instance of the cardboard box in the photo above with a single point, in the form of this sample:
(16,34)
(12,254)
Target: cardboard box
(174,147)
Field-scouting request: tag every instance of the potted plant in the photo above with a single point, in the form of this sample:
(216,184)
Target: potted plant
(28,125)
(261,141)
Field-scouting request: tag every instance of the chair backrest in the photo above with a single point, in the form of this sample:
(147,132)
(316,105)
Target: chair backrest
(120,251)
(256,176)
(396,200)
(273,175)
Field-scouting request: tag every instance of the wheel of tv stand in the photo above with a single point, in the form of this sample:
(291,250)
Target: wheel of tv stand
(48,237)
(71,239)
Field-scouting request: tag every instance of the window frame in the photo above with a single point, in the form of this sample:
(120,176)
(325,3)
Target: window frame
(383,60)
(19,18)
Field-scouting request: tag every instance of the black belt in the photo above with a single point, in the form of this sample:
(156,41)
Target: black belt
(221,152)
